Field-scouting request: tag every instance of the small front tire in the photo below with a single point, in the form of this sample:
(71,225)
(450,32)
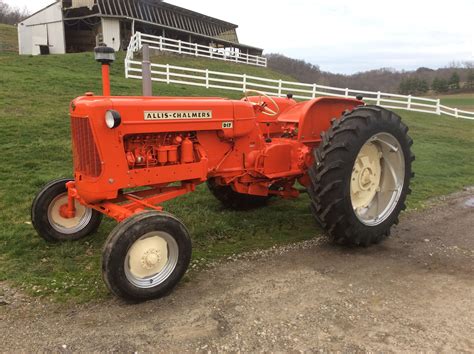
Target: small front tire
(146,256)
(49,223)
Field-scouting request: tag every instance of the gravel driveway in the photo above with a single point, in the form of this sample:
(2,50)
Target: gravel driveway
(414,292)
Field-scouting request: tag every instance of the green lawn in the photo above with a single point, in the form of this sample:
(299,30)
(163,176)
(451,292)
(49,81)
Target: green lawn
(35,143)
(464,101)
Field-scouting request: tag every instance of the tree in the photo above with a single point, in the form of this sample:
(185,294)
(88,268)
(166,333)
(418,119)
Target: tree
(454,81)
(470,80)
(423,86)
(10,15)
(440,85)
(413,86)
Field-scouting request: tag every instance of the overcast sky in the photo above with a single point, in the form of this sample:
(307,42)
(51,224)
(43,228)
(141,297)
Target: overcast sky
(346,36)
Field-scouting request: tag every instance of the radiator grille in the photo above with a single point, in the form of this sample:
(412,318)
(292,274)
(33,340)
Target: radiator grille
(86,157)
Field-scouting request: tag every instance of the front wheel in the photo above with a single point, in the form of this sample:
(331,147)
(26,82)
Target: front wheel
(51,225)
(361,176)
(146,256)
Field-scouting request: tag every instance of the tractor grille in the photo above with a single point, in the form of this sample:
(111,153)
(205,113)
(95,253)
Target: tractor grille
(86,157)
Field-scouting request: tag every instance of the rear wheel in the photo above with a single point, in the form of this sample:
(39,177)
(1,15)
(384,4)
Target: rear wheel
(237,201)
(362,175)
(146,256)
(51,225)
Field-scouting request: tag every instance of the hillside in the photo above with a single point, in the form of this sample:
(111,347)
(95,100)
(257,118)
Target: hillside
(84,62)
(35,143)
(8,38)
(384,79)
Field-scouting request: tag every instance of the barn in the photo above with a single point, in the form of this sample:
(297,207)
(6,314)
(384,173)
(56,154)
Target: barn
(71,26)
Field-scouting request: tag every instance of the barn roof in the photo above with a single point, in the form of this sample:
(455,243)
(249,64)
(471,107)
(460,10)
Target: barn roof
(154,12)
(157,13)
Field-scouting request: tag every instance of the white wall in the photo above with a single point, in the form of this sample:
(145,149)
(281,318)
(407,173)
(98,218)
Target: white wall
(43,28)
(111,32)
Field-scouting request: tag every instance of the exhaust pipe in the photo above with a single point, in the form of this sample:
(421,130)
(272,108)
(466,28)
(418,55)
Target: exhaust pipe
(147,83)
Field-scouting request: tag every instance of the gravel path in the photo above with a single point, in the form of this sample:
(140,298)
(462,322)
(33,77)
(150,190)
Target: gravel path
(415,292)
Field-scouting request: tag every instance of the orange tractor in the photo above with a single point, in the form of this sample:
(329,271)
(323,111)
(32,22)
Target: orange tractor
(133,153)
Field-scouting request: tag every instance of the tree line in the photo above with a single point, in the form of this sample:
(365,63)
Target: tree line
(414,85)
(11,15)
(453,78)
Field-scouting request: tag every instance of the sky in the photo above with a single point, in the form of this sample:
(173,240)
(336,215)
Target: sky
(346,36)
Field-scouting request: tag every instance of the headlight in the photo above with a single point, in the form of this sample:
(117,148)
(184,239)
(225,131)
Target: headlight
(112,119)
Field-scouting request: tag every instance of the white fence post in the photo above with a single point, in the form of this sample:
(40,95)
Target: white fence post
(279,87)
(167,73)
(456,113)
(207,78)
(244,83)
(315,87)
(191,48)
(378,98)
(438,107)
(347,92)
(409,102)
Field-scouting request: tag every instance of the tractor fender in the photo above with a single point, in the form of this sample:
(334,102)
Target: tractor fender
(314,117)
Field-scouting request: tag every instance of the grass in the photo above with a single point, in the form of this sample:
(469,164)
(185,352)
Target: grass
(8,38)
(464,101)
(35,142)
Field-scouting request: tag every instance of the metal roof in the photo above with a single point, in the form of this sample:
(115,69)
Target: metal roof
(165,14)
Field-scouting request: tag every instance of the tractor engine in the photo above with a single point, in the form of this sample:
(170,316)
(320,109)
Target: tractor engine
(155,150)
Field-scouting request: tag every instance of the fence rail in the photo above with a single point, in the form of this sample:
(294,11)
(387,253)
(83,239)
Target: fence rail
(171,74)
(197,50)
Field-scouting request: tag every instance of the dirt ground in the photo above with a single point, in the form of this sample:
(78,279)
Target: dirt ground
(414,292)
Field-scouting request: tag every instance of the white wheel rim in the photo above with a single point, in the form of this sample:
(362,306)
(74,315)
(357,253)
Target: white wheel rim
(151,259)
(64,225)
(377,179)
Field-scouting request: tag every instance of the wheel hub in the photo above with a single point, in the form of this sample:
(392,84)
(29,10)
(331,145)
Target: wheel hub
(64,224)
(366,174)
(151,258)
(148,257)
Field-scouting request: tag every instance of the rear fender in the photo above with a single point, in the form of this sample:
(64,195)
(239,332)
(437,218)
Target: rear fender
(314,117)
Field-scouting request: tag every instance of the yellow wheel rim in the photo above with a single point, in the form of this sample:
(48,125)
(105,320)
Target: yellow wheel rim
(377,179)
(64,225)
(151,259)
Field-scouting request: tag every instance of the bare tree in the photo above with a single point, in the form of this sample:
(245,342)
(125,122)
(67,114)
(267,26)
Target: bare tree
(11,15)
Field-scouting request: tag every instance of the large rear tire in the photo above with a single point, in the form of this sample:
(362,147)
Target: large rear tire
(230,199)
(49,223)
(146,256)
(361,176)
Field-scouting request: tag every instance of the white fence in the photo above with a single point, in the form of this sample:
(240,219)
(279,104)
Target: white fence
(219,80)
(197,50)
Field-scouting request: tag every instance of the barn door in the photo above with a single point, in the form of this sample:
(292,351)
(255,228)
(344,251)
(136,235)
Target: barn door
(40,37)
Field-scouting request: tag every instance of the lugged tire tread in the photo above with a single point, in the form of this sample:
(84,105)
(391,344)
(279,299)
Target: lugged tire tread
(329,172)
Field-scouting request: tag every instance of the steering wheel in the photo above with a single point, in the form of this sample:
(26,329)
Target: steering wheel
(262,104)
